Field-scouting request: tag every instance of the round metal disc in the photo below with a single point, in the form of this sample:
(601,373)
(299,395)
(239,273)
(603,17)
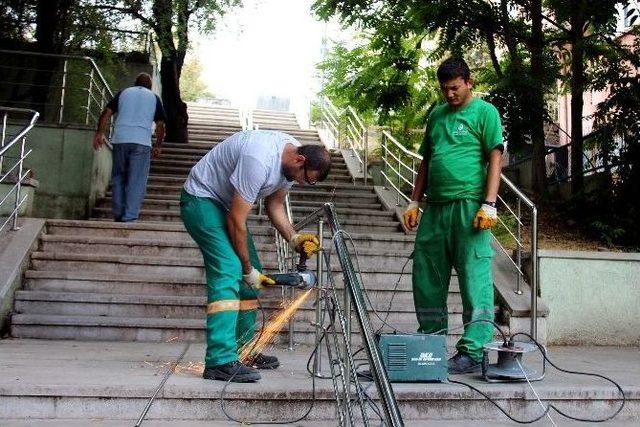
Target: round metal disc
(519,347)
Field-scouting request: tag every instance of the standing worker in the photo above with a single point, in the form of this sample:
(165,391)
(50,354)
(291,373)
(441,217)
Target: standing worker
(215,203)
(460,171)
(137,108)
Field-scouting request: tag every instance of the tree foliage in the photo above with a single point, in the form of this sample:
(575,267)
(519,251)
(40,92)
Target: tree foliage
(192,87)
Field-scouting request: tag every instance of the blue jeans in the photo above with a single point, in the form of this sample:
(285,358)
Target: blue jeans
(129,180)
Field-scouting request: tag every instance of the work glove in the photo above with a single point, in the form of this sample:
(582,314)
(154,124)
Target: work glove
(257,280)
(305,242)
(410,215)
(486,217)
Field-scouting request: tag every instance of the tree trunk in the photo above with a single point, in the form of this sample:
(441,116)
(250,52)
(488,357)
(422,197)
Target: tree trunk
(577,97)
(539,173)
(175,108)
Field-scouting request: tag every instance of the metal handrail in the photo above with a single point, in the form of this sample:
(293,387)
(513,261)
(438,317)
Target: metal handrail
(392,148)
(98,89)
(19,164)
(355,134)
(356,299)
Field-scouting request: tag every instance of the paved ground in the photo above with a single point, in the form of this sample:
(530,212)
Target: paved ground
(130,369)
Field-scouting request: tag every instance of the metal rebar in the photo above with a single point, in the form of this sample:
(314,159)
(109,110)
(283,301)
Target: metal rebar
(319,282)
(519,246)
(164,380)
(534,273)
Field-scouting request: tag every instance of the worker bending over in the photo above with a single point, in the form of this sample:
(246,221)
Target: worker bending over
(215,203)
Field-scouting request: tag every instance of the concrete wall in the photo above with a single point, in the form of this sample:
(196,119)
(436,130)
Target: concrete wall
(593,297)
(70,173)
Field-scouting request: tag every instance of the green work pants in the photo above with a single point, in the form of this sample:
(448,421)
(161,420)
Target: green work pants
(445,239)
(231,304)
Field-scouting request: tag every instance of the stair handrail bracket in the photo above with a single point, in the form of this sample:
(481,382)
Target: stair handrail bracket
(16,170)
(354,299)
(94,88)
(399,171)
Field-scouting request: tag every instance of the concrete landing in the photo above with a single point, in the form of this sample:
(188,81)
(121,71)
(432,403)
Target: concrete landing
(71,383)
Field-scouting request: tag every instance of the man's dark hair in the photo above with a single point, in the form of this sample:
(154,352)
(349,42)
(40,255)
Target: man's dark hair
(452,68)
(317,158)
(144,80)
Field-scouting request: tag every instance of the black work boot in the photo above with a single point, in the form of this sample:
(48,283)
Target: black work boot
(462,363)
(262,361)
(233,371)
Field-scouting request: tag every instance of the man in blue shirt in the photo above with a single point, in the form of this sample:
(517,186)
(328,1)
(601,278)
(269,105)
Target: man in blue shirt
(137,108)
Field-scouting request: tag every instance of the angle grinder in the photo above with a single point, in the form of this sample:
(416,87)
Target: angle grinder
(302,278)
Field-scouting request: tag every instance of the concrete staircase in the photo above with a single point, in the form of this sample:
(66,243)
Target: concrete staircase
(118,301)
(103,280)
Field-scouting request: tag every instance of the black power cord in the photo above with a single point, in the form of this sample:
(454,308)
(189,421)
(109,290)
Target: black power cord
(224,388)
(548,408)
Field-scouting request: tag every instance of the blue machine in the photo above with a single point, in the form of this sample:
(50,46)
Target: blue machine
(414,357)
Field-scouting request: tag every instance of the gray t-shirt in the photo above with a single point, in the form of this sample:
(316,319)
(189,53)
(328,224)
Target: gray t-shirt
(249,162)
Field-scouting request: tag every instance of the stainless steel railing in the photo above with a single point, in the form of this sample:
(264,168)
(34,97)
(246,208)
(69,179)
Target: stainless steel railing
(356,136)
(353,299)
(400,168)
(75,88)
(12,149)
(347,130)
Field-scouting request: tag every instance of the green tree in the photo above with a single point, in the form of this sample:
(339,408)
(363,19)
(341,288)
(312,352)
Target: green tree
(192,87)
(473,25)
(170,21)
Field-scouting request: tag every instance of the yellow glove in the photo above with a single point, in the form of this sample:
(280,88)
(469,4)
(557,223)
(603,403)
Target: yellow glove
(306,242)
(410,216)
(257,280)
(486,217)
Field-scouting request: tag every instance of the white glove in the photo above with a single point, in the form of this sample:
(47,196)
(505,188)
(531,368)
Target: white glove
(257,280)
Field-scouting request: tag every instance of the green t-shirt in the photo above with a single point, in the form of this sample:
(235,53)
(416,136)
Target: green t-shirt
(457,144)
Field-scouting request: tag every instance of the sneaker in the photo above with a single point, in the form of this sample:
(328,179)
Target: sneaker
(262,361)
(233,371)
(462,363)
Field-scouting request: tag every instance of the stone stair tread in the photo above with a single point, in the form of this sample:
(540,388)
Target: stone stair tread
(150,278)
(269,302)
(187,242)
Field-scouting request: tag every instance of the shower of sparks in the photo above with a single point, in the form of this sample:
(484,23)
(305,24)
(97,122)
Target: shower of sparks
(273,326)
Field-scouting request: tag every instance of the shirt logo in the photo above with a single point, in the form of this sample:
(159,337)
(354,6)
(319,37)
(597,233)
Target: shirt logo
(461,130)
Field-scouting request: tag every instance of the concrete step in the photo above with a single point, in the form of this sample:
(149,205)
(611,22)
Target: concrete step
(299,210)
(379,293)
(104,381)
(374,274)
(160,167)
(298,199)
(187,249)
(182,307)
(175,231)
(155,329)
(350,225)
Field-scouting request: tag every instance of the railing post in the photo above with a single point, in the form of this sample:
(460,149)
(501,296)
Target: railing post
(347,338)
(4,136)
(365,155)
(519,247)
(86,120)
(64,84)
(399,182)
(18,185)
(385,161)
(319,281)
(534,273)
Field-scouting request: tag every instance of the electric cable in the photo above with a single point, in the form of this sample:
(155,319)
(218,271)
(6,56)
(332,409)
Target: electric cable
(504,339)
(224,388)
(623,399)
